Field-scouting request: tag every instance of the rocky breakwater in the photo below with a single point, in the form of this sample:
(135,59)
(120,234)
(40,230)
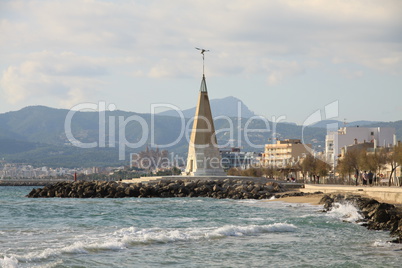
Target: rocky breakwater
(376,215)
(228,188)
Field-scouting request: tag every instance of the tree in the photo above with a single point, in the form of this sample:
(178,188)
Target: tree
(351,161)
(307,165)
(270,172)
(252,172)
(373,161)
(344,168)
(321,168)
(394,158)
(234,172)
(315,167)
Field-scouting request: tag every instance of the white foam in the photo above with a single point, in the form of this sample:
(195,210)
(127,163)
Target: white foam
(84,247)
(128,237)
(345,212)
(382,244)
(79,247)
(51,264)
(185,219)
(133,235)
(44,254)
(231,230)
(8,262)
(249,201)
(255,219)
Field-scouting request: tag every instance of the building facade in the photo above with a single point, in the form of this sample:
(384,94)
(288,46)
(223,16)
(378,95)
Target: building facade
(284,152)
(235,158)
(336,140)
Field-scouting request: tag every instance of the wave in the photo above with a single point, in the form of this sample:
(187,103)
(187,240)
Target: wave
(382,244)
(345,212)
(254,219)
(253,229)
(132,236)
(248,201)
(8,262)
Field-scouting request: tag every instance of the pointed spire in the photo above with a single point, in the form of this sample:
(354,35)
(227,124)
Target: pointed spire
(203,87)
(203,153)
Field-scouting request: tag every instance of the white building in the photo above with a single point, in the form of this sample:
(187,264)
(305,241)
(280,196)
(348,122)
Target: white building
(284,152)
(234,158)
(335,140)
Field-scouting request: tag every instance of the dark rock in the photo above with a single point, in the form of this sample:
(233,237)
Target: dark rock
(228,188)
(378,216)
(327,201)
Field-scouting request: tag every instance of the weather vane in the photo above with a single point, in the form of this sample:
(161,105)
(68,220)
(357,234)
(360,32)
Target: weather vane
(203,60)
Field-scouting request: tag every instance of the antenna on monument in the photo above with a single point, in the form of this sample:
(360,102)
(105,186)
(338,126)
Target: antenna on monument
(202,52)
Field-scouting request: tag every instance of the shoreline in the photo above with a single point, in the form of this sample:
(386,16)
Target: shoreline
(376,215)
(391,195)
(312,199)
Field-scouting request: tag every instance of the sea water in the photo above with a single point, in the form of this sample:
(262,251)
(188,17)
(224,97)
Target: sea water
(184,232)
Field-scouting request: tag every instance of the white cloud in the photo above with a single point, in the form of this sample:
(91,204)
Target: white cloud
(362,32)
(279,70)
(63,78)
(277,39)
(352,74)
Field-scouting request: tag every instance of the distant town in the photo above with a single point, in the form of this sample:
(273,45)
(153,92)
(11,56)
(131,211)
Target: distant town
(287,159)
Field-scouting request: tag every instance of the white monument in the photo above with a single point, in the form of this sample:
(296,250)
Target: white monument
(203,154)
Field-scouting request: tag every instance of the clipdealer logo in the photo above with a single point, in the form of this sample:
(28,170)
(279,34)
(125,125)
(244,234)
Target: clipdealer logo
(238,131)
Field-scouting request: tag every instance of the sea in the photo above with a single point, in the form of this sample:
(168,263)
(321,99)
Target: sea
(184,232)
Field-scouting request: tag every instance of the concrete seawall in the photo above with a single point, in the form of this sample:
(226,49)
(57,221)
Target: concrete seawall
(391,195)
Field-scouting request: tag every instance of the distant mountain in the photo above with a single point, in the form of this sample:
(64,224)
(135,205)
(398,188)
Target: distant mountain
(397,125)
(36,135)
(327,123)
(229,106)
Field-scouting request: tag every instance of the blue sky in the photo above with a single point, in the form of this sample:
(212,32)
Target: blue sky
(282,58)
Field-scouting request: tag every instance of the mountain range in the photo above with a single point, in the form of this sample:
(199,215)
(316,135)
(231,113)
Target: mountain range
(229,106)
(37,135)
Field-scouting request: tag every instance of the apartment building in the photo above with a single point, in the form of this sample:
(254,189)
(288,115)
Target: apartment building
(284,152)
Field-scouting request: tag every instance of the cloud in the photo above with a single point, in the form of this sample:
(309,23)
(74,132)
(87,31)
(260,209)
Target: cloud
(260,28)
(276,39)
(279,70)
(64,78)
(352,74)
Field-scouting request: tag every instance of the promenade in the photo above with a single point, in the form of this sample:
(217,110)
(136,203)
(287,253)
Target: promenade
(386,194)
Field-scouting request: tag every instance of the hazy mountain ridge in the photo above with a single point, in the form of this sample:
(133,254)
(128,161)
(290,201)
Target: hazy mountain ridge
(36,135)
(229,106)
(328,123)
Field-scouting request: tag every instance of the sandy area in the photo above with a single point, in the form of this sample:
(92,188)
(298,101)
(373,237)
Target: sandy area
(309,199)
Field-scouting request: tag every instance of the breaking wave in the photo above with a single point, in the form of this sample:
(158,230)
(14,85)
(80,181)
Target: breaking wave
(8,262)
(158,235)
(128,237)
(345,212)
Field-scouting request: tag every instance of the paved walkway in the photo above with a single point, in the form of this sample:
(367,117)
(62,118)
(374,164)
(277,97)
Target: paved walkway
(387,194)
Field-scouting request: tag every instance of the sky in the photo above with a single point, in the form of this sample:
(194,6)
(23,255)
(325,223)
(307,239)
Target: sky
(283,59)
